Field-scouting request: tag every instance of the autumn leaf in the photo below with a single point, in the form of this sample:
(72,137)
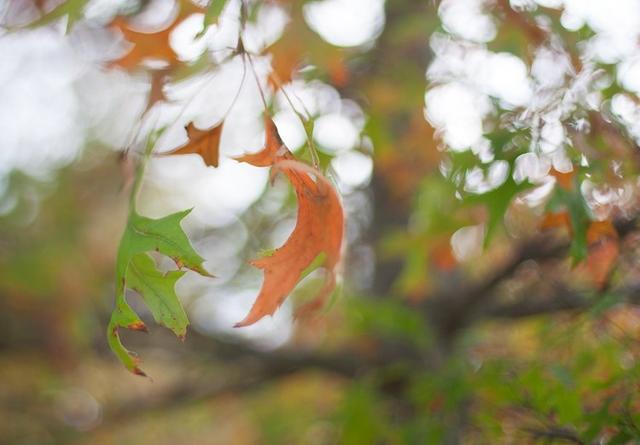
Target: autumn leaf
(151,45)
(604,248)
(274,149)
(318,231)
(556,220)
(205,143)
(285,62)
(564,180)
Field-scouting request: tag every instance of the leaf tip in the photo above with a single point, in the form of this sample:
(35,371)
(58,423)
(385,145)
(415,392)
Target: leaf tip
(242,324)
(140,372)
(138,326)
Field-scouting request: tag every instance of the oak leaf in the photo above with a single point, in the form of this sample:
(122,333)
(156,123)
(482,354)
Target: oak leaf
(317,234)
(151,45)
(135,269)
(205,143)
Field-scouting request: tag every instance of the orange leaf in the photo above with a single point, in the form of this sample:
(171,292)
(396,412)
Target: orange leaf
(205,143)
(285,61)
(274,149)
(603,251)
(556,220)
(319,230)
(442,256)
(151,45)
(599,230)
(565,180)
(601,260)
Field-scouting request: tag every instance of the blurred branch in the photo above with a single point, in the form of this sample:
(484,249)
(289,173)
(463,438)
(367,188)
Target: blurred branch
(250,368)
(452,311)
(562,300)
(552,434)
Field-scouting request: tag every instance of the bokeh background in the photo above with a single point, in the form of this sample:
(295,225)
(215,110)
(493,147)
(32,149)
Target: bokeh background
(486,152)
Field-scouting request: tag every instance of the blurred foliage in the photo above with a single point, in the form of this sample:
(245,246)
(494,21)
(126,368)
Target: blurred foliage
(491,316)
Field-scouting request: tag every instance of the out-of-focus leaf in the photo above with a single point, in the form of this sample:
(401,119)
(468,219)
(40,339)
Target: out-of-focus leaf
(603,245)
(151,45)
(605,303)
(205,143)
(361,421)
(72,9)
(497,202)
(573,202)
(214,9)
(390,318)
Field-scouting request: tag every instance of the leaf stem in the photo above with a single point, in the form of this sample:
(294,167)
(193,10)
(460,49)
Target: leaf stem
(313,151)
(142,166)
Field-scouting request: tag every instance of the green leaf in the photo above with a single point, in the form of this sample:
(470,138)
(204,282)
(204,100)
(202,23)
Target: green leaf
(604,303)
(497,202)
(142,235)
(214,9)
(579,215)
(164,235)
(362,422)
(158,292)
(72,9)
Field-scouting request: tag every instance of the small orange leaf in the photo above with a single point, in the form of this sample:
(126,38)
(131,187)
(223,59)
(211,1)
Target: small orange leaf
(145,46)
(205,143)
(601,260)
(285,62)
(599,230)
(556,220)
(151,45)
(603,251)
(442,257)
(565,180)
(319,230)
(274,149)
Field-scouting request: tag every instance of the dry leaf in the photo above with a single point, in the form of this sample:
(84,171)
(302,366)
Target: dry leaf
(285,62)
(318,231)
(565,180)
(156,92)
(205,143)
(556,220)
(151,45)
(603,251)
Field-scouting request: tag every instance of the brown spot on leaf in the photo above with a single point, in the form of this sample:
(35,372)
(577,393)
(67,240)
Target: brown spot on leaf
(138,326)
